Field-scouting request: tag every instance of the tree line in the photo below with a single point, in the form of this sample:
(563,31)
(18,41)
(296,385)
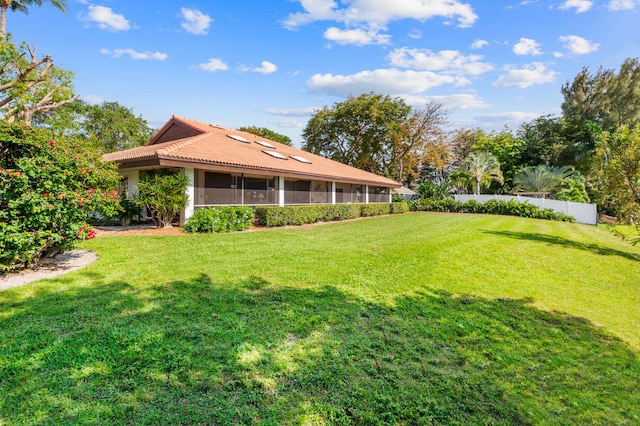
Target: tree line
(591,152)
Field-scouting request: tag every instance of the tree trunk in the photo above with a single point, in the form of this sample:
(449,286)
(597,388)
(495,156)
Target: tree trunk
(3,20)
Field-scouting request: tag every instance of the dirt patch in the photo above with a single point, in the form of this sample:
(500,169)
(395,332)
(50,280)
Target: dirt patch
(113,231)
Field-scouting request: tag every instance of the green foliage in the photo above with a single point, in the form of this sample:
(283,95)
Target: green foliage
(129,208)
(48,189)
(267,133)
(300,215)
(114,126)
(359,131)
(400,207)
(29,85)
(482,167)
(616,171)
(376,209)
(507,208)
(163,194)
(605,98)
(438,191)
(220,219)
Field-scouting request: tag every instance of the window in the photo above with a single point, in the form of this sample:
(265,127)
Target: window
(276,154)
(238,138)
(265,144)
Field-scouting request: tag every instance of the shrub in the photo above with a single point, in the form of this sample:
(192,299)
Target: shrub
(300,215)
(400,207)
(220,219)
(163,194)
(375,209)
(48,189)
(509,208)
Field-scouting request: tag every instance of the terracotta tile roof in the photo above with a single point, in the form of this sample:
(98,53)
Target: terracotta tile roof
(212,145)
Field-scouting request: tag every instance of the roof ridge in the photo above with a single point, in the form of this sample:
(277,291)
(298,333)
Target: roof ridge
(190,122)
(179,143)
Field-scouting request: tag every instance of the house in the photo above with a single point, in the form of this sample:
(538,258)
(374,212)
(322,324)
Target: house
(228,167)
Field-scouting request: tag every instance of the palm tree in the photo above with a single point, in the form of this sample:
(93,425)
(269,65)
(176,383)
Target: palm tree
(543,179)
(21,6)
(483,167)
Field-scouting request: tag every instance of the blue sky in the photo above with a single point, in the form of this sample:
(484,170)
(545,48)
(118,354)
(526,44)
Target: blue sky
(272,63)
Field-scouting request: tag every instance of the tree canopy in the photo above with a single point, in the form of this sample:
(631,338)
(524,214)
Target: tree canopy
(376,133)
(605,98)
(30,86)
(266,133)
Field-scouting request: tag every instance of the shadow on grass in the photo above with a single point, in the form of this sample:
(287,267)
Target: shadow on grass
(551,239)
(205,353)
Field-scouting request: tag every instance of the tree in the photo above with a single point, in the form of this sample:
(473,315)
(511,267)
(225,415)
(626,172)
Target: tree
(266,133)
(163,194)
(30,86)
(556,141)
(21,6)
(114,126)
(616,171)
(376,133)
(605,98)
(483,167)
(563,183)
(48,189)
(420,143)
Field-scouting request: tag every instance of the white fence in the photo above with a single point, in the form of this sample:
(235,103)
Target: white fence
(583,213)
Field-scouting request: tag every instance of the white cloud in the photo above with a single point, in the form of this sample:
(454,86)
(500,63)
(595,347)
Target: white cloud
(578,45)
(92,99)
(296,124)
(621,5)
(450,61)
(415,34)
(534,73)
(135,55)
(389,81)
(579,5)
(461,101)
(106,19)
(214,65)
(376,12)
(265,67)
(292,112)
(527,46)
(513,118)
(194,21)
(359,37)
(479,44)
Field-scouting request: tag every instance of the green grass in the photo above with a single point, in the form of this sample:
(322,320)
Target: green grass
(407,319)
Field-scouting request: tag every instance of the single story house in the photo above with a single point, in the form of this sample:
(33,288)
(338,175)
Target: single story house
(229,167)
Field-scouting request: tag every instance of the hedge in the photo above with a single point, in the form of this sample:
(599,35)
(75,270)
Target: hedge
(508,208)
(300,215)
(220,219)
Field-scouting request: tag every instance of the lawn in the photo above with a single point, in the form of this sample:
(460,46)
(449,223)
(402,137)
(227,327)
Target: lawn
(409,319)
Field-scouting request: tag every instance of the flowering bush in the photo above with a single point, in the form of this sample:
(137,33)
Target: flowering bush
(47,190)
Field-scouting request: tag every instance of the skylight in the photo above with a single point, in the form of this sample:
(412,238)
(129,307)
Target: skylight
(265,144)
(275,154)
(300,159)
(239,138)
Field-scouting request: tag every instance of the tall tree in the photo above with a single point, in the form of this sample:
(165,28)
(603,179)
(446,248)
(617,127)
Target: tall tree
(483,167)
(617,171)
(605,98)
(376,133)
(28,85)
(21,6)
(114,126)
(266,133)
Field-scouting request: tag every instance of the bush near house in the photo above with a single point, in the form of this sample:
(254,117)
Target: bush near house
(220,219)
(48,189)
(300,215)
